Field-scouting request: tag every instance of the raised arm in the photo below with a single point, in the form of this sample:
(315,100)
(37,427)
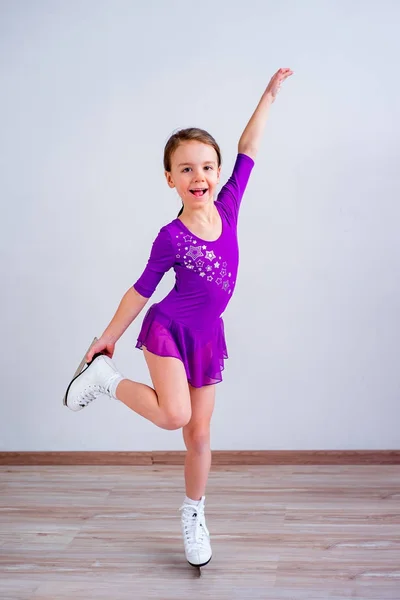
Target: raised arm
(250,139)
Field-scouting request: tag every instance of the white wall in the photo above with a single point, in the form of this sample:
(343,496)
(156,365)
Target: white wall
(91,90)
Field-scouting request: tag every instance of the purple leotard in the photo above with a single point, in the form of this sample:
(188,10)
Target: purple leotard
(187,324)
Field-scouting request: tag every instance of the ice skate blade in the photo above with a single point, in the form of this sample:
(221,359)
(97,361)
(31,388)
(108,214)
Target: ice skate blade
(79,370)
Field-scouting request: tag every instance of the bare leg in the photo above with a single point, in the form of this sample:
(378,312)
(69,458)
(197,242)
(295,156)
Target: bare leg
(196,435)
(168,404)
(142,399)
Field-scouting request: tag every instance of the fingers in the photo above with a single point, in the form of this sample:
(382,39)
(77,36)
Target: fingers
(99,349)
(285,73)
(280,76)
(91,353)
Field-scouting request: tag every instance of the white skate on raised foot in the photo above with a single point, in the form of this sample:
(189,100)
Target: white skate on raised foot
(97,377)
(196,536)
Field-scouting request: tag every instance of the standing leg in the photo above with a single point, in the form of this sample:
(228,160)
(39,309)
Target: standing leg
(196,435)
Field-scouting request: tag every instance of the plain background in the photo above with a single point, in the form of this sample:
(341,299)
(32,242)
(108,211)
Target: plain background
(91,91)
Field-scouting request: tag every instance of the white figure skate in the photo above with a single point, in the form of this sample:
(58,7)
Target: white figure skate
(89,381)
(196,536)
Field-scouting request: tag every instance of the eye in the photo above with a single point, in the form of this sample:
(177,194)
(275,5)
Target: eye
(206,167)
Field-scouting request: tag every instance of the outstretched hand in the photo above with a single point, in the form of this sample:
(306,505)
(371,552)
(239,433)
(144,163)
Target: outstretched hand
(274,85)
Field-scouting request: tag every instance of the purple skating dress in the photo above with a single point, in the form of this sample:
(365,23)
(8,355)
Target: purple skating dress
(187,324)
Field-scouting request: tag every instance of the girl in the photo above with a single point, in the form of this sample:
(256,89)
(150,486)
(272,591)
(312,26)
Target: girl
(182,337)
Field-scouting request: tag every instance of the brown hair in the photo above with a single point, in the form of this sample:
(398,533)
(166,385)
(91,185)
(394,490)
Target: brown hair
(186,135)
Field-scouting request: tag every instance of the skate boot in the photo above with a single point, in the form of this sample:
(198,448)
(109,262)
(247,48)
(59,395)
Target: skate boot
(100,376)
(196,536)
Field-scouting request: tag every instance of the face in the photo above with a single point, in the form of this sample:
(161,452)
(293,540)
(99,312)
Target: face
(194,165)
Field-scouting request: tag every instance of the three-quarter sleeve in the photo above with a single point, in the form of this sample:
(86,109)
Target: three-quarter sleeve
(162,258)
(231,193)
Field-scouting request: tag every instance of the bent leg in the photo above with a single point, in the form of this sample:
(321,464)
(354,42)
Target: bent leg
(168,404)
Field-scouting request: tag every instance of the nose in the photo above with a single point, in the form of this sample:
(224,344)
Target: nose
(199,175)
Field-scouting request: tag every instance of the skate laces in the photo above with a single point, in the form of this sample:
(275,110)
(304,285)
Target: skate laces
(195,529)
(93,390)
(90,393)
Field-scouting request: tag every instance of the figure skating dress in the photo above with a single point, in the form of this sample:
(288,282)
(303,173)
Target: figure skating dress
(187,324)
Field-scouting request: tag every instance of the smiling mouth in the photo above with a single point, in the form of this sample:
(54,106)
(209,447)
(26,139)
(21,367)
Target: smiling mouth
(198,193)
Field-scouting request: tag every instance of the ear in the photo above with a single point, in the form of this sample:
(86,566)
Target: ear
(169,179)
(218,173)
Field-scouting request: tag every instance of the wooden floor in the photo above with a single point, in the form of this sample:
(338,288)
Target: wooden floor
(292,532)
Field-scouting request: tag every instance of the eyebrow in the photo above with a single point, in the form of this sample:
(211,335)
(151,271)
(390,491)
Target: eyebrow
(208,162)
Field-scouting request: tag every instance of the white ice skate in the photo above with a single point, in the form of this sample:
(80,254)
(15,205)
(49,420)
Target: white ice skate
(97,377)
(196,536)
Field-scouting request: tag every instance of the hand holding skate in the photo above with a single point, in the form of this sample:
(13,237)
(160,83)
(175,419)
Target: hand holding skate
(101,346)
(95,375)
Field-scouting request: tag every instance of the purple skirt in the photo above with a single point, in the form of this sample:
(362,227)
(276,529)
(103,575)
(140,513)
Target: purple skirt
(202,351)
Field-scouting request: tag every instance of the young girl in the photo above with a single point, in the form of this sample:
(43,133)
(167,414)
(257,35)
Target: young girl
(182,337)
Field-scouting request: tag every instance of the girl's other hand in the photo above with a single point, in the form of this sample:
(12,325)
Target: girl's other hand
(274,85)
(102,346)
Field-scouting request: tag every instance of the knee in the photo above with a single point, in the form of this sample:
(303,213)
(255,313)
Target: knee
(198,440)
(177,419)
